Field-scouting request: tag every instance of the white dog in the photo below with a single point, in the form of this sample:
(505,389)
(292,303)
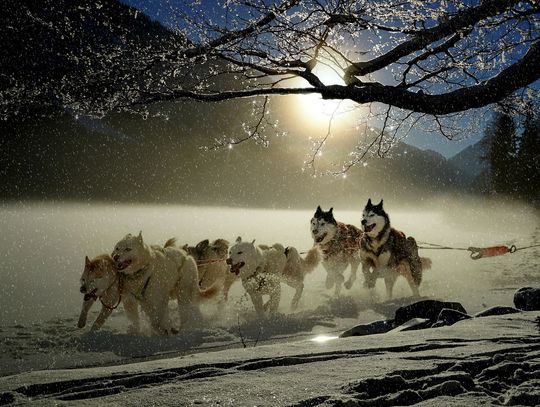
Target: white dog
(153,273)
(259,269)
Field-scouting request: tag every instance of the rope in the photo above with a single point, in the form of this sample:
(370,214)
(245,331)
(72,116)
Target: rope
(478,252)
(434,246)
(205,262)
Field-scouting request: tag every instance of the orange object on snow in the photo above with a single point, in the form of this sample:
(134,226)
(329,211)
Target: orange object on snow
(480,252)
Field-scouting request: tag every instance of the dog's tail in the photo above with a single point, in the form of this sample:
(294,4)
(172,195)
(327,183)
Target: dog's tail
(426,263)
(210,292)
(308,263)
(170,243)
(311,260)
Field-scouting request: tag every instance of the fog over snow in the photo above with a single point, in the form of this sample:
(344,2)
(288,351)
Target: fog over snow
(43,246)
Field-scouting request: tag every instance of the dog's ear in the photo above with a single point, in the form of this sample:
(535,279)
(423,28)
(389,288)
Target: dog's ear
(380,204)
(369,204)
(202,245)
(86,261)
(238,239)
(331,211)
(185,247)
(318,211)
(139,237)
(253,242)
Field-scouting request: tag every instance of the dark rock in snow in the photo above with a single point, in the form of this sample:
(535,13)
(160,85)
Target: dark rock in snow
(449,317)
(527,299)
(377,327)
(497,310)
(6,398)
(414,324)
(429,309)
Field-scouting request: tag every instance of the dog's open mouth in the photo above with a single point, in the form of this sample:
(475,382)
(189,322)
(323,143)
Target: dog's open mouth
(369,228)
(320,238)
(123,265)
(235,268)
(91,295)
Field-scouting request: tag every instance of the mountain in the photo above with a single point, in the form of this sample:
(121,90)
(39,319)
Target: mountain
(50,45)
(470,160)
(130,159)
(124,157)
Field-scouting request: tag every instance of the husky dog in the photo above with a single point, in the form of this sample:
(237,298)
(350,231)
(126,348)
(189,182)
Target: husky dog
(339,244)
(259,269)
(386,252)
(210,258)
(152,274)
(101,280)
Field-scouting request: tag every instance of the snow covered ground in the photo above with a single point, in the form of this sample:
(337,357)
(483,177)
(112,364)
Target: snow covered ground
(237,360)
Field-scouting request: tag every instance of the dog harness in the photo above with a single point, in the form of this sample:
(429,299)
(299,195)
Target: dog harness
(400,247)
(347,240)
(139,296)
(120,288)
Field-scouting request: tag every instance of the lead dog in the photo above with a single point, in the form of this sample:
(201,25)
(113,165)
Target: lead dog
(153,273)
(387,252)
(100,280)
(211,264)
(339,244)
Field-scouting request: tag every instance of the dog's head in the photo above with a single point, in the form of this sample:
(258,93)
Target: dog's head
(374,218)
(242,257)
(130,254)
(205,250)
(323,226)
(97,277)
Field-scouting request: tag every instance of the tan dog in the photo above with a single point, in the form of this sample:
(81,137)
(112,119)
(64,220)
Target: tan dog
(100,280)
(211,263)
(296,269)
(153,273)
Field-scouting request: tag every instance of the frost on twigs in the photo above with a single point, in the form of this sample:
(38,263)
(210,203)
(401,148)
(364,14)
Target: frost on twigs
(419,60)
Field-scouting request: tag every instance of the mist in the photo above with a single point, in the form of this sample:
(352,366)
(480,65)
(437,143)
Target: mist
(43,247)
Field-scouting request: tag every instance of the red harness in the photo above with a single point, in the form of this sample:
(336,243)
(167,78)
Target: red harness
(347,239)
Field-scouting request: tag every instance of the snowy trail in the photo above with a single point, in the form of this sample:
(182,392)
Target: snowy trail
(40,301)
(479,360)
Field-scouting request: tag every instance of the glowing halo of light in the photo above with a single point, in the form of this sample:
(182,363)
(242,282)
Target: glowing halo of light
(323,338)
(312,113)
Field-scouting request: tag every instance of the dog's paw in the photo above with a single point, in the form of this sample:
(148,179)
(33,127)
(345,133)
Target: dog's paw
(369,284)
(330,281)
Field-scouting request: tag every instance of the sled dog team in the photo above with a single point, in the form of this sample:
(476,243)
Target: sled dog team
(145,277)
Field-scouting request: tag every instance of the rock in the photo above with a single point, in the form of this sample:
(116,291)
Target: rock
(413,325)
(497,310)
(428,309)
(449,317)
(377,327)
(527,299)
(6,398)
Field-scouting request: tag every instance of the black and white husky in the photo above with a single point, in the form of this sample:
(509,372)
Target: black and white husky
(387,252)
(339,245)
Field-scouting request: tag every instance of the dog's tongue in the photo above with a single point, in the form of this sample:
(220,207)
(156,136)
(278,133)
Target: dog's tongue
(235,268)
